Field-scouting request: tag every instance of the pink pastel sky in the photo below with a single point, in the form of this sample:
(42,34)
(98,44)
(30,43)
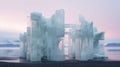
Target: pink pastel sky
(104,13)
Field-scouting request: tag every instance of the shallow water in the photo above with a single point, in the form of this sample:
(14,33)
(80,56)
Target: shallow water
(114,54)
(14,52)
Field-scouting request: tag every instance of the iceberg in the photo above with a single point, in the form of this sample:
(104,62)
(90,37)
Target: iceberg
(44,35)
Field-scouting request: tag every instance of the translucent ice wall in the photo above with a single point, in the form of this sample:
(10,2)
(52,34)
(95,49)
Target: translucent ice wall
(42,38)
(55,34)
(85,40)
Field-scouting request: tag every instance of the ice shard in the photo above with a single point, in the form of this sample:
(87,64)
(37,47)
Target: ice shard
(37,37)
(23,51)
(98,53)
(56,33)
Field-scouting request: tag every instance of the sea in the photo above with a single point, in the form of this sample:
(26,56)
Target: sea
(113,54)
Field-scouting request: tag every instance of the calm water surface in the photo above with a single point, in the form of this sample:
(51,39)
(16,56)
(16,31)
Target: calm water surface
(113,55)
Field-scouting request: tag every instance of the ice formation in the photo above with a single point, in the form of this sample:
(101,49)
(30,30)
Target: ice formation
(82,41)
(85,41)
(43,37)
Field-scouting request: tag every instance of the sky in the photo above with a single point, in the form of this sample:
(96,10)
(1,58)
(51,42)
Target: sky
(14,15)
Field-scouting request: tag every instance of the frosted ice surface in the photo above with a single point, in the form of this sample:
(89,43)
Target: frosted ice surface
(41,41)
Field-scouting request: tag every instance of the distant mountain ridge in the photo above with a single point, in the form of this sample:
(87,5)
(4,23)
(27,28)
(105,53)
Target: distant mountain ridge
(113,45)
(8,43)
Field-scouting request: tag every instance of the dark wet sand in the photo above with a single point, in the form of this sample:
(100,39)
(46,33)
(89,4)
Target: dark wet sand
(70,63)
